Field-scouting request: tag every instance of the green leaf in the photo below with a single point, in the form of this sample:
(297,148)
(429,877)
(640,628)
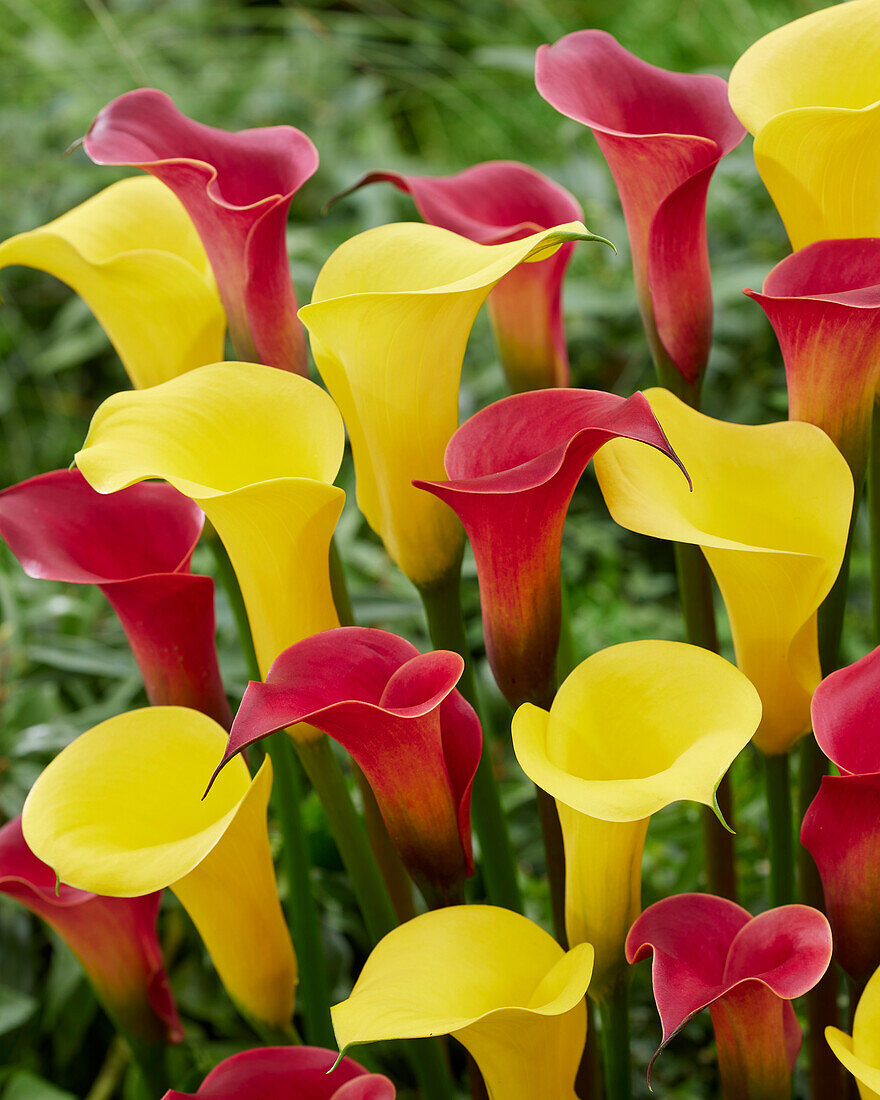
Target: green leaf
(16,1008)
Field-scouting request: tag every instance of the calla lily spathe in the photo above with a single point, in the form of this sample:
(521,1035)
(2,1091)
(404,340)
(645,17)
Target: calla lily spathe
(136,546)
(397,712)
(114,939)
(389,320)
(513,468)
(120,812)
(809,94)
(710,953)
(289,1073)
(860,1052)
(498,983)
(841,828)
(236,188)
(663,134)
(770,508)
(824,305)
(494,203)
(132,254)
(258,450)
(631,730)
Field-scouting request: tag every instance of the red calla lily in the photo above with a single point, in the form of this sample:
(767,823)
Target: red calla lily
(136,546)
(841,828)
(710,953)
(289,1073)
(397,712)
(237,188)
(662,134)
(494,203)
(113,938)
(513,469)
(824,305)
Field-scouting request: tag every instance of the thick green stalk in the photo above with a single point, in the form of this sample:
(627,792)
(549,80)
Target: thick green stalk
(442,604)
(698,611)
(780,828)
(152,1063)
(614,1023)
(303,920)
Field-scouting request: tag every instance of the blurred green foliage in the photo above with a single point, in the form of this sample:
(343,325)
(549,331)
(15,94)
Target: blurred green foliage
(424,85)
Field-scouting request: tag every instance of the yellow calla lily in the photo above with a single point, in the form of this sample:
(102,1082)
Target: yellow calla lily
(810,94)
(860,1052)
(493,979)
(770,508)
(120,812)
(132,253)
(257,449)
(389,320)
(632,729)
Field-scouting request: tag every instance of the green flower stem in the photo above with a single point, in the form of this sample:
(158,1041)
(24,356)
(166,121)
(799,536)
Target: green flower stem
(554,854)
(442,604)
(780,827)
(698,611)
(152,1063)
(614,1024)
(303,919)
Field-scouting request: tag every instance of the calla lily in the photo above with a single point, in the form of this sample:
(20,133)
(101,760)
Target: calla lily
(860,1052)
(113,938)
(494,203)
(236,188)
(682,714)
(375,300)
(808,93)
(257,449)
(824,305)
(289,1073)
(492,979)
(514,467)
(710,953)
(841,829)
(663,134)
(133,255)
(397,712)
(770,508)
(120,812)
(136,547)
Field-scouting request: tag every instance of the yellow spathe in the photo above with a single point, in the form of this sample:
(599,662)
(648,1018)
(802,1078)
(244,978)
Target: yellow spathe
(493,979)
(632,729)
(132,253)
(770,507)
(258,449)
(120,812)
(809,92)
(860,1053)
(389,320)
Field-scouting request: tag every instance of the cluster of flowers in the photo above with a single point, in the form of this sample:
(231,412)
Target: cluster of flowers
(166,262)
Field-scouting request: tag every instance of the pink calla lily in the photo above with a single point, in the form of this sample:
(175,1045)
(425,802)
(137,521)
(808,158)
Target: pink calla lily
(236,188)
(710,953)
(663,134)
(841,828)
(136,546)
(397,712)
(494,203)
(289,1073)
(824,305)
(113,938)
(513,468)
